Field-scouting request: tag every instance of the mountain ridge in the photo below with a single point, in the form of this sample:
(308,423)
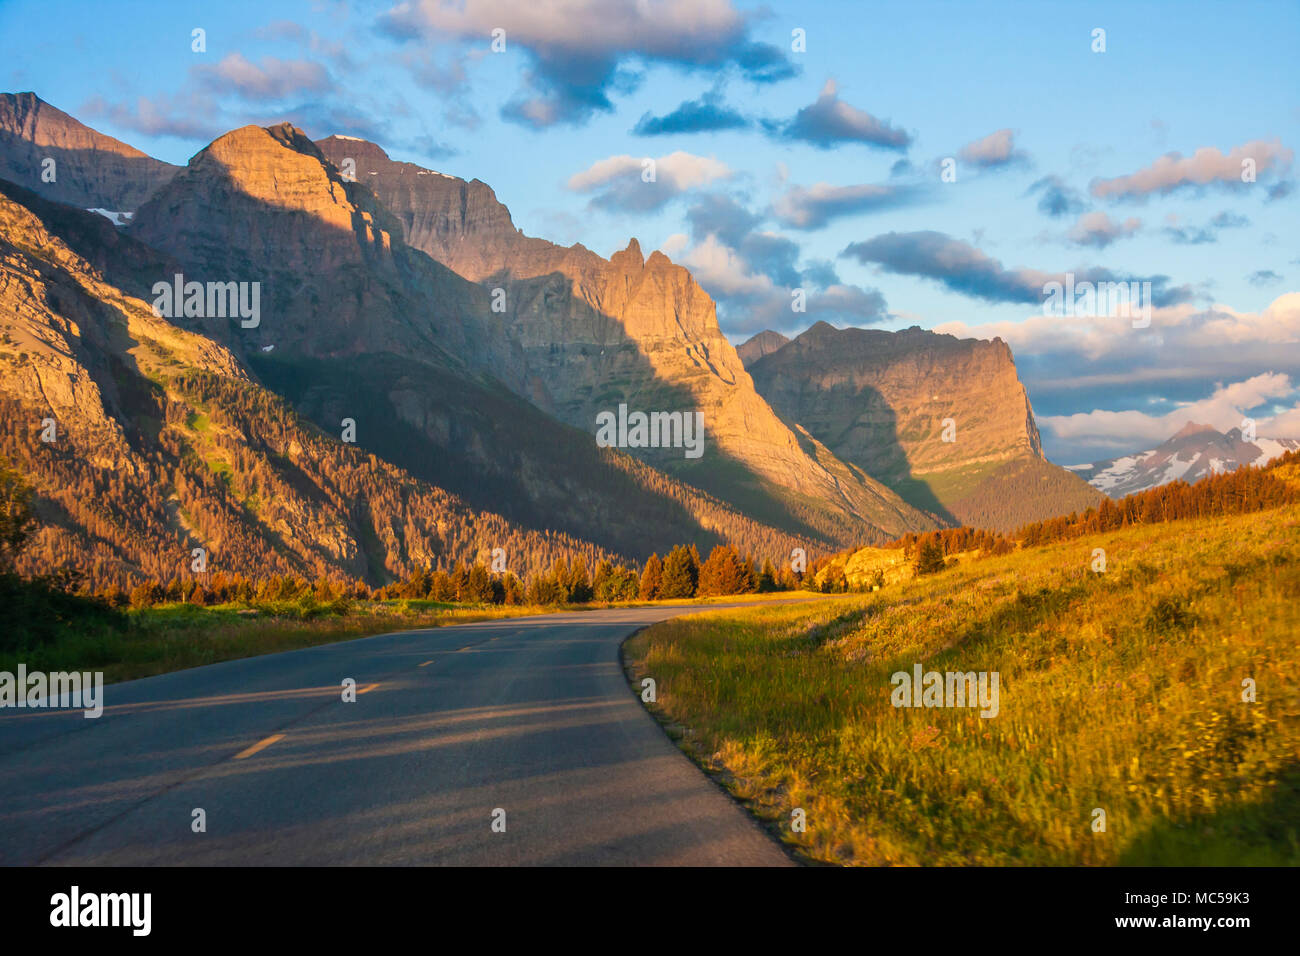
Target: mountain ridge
(1194,451)
(89,170)
(593,333)
(494,404)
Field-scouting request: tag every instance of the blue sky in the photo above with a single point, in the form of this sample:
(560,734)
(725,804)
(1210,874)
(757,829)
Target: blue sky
(817,169)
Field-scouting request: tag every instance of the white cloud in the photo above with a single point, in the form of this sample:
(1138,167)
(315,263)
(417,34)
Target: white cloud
(1224,409)
(996,149)
(271,79)
(1207,165)
(1098,230)
(620,182)
(1172,328)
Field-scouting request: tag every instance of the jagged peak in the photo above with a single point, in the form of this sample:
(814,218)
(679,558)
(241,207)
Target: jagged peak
(630,257)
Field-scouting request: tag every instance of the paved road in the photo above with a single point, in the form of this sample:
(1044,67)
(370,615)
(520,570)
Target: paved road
(532,716)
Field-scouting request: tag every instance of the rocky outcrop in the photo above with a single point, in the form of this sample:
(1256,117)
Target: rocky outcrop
(355,323)
(334,276)
(944,421)
(880,399)
(90,170)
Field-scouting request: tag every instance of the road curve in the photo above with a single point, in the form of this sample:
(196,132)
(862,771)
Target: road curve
(532,716)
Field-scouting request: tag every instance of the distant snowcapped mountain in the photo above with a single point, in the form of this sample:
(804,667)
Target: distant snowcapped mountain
(1193,453)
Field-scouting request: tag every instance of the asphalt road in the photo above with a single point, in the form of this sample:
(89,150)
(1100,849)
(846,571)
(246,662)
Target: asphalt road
(532,716)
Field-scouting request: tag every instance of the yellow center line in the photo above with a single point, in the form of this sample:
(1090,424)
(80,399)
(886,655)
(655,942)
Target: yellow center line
(425,664)
(368,687)
(259,746)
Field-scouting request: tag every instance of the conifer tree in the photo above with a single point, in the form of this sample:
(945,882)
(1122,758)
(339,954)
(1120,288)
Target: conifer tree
(652,580)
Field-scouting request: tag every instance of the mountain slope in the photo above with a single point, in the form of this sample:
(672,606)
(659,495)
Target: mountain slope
(162,443)
(90,170)
(944,421)
(584,334)
(1191,454)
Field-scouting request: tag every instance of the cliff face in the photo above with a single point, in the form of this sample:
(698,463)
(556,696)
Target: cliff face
(91,170)
(336,279)
(880,400)
(584,334)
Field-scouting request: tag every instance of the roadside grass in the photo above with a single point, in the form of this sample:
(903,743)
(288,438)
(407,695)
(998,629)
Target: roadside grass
(142,642)
(1120,691)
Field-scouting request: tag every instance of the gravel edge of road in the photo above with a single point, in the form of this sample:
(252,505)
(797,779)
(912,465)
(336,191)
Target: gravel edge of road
(767,829)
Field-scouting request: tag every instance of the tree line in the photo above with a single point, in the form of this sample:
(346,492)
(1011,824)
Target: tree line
(1245,490)
(568,580)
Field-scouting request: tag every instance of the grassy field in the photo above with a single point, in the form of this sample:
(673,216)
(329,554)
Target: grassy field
(1120,691)
(155,640)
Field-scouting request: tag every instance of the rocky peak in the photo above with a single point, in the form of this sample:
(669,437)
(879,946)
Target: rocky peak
(461,224)
(754,348)
(91,170)
(630,259)
(265,205)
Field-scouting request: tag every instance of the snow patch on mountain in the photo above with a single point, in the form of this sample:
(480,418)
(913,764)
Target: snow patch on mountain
(116,218)
(1193,453)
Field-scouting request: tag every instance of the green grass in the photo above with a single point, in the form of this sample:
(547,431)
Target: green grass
(1120,691)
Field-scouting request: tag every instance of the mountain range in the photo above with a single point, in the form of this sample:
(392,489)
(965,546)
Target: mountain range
(1192,453)
(423,380)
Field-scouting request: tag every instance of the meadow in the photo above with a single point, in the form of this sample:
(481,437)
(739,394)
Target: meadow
(1122,692)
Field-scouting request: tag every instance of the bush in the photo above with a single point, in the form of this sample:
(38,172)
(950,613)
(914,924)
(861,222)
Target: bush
(39,610)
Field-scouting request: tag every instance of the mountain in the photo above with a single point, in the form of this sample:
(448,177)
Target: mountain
(887,401)
(1192,453)
(583,334)
(89,171)
(465,363)
(356,324)
(144,440)
(759,345)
